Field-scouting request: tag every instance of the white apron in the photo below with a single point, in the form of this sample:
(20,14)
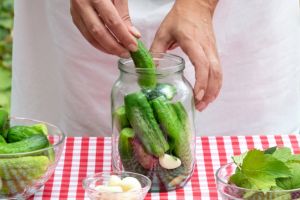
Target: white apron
(60,78)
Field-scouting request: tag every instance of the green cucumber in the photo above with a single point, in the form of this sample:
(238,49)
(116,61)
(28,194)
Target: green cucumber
(41,128)
(18,133)
(125,146)
(182,116)
(4,123)
(13,187)
(120,119)
(166,89)
(25,168)
(177,138)
(2,140)
(142,59)
(22,172)
(51,153)
(141,117)
(32,143)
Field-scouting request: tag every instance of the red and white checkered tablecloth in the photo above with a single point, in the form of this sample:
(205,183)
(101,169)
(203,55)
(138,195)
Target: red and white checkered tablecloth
(83,156)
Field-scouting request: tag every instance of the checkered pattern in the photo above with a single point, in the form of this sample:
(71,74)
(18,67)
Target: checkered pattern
(83,156)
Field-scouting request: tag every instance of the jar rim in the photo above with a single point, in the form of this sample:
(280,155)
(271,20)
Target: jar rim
(177,64)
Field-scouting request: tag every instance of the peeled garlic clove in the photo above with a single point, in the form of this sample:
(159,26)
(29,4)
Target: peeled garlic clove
(114,181)
(130,183)
(105,188)
(169,162)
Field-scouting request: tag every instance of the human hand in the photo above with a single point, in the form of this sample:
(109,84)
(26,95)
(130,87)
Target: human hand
(189,25)
(106,25)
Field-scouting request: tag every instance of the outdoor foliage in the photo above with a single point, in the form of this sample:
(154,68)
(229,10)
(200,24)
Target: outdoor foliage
(6,27)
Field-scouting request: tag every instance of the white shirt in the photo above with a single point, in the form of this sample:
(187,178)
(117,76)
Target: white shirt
(60,78)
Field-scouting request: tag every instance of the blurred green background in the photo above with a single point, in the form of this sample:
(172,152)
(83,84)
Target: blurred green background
(6,32)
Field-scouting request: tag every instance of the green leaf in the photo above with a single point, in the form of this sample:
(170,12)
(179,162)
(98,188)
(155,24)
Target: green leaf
(6,23)
(250,195)
(5,100)
(292,182)
(263,169)
(5,79)
(8,5)
(238,160)
(295,158)
(255,195)
(270,150)
(282,154)
(239,179)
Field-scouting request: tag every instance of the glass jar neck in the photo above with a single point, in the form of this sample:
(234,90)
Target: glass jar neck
(166,65)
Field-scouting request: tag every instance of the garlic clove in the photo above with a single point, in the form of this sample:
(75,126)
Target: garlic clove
(130,183)
(114,181)
(105,188)
(169,162)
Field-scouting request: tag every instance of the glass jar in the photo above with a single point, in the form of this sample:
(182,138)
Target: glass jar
(153,128)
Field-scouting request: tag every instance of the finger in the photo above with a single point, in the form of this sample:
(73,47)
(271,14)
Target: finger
(173,46)
(83,30)
(134,31)
(214,81)
(200,62)
(100,32)
(114,22)
(161,42)
(122,8)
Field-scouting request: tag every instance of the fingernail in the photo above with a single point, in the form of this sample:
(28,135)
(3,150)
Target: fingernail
(125,55)
(135,31)
(200,106)
(200,95)
(212,99)
(132,47)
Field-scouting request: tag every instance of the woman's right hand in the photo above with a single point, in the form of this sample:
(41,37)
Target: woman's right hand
(106,25)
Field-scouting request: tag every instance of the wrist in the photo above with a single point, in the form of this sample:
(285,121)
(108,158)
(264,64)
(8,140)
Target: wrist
(197,5)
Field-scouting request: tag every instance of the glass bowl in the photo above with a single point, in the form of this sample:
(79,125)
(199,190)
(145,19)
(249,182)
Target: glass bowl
(92,181)
(23,174)
(232,192)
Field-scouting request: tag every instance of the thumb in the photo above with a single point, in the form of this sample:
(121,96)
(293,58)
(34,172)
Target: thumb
(122,8)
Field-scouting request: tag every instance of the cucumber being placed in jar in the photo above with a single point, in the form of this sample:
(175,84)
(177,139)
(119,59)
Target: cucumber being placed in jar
(2,140)
(171,125)
(4,123)
(32,143)
(166,89)
(120,119)
(143,59)
(146,128)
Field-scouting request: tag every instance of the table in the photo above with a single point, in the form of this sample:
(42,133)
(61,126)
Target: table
(83,156)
